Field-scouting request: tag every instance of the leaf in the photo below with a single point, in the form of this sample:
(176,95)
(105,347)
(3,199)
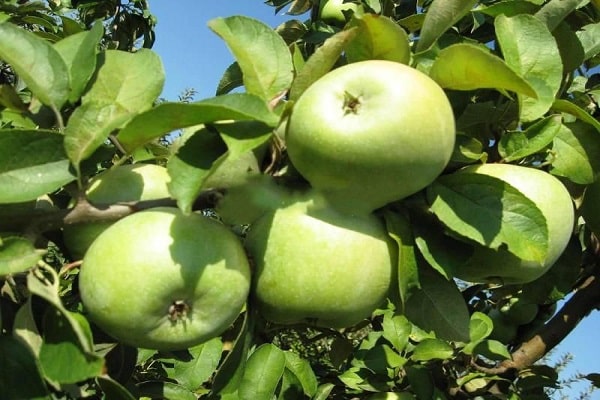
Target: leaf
(61,357)
(113,389)
(262,374)
(10,99)
(32,163)
(566,106)
(396,330)
(37,63)
(480,327)
(440,17)
(17,254)
(20,377)
(167,117)
(493,350)
(25,328)
(195,371)
(399,229)
(432,349)
(520,144)
(79,52)
(303,372)
(509,8)
(232,78)
(577,153)
(555,11)
(589,37)
(530,49)
(490,212)
(465,66)
(125,85)
(467,150)
(439,306)
(321,61)
(164,390)
(267,75)
(379,38)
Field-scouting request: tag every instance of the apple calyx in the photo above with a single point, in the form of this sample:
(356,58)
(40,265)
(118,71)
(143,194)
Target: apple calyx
(178,310)
(351,103)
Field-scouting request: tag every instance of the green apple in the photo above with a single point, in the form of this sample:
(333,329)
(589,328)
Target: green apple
(519,311)
(163,280)
(332,11)
(370,133)
(553,200)
(126,183)
(318,266)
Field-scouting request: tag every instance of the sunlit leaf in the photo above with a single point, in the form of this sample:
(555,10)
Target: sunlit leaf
(262,373)
(432,349)
(17,254)
(203,362)
(555,11)
(379,38)
(519,144)
(440,16)
(301,369)
(577,153)
(589,36)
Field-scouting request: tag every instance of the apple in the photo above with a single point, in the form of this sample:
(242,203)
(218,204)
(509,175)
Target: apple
(370,133)
(159,279)
(519,311)
(125,183)
(315,265)
(553,200)
(332,11)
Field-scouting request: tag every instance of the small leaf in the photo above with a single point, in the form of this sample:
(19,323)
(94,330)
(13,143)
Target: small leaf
(262,373)
(480,327)
(25,328)
(439,306)
(465,66)
(112,389)
(555,11)
(530,49)
(164,390)
(267,75)
(520,144)
(379,38)
(32,163)
(203,362)
(396,329)
(573,109)
(588,36)
(167,117)
(440,17)
(303,372)
(17,254)
(321,61)
(490,212)
(232,78)
(492,349)
(20,377)
(577,153)
(10,99)
(432,349)
(36,62)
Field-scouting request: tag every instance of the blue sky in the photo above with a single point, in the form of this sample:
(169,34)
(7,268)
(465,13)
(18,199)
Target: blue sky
(195,57)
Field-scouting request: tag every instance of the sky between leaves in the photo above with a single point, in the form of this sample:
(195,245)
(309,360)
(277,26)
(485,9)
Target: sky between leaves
(194,58)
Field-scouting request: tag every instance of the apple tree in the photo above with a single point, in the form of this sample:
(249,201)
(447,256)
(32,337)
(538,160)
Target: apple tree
(384,199)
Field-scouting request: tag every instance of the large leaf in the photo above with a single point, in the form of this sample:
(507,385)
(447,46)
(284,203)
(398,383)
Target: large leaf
(80,54)
(262,374)
(439,306)
(168,117)
(36,62)
(519,144)
(379,38)
(530,49)
(440,16)
(125,85)
(261,54)
(466,66)
(17,254)
(302,372)
(321,61)
(489,211)
(32,163)
(577,153)
(20,377)
(589,36)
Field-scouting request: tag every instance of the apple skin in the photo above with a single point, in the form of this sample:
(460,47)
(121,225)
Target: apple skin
(332,11)
(318,266)
(125,183)
(142,267)
(553,200)
(370,133)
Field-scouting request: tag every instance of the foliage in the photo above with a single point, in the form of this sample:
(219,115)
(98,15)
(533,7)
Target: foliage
(78,96)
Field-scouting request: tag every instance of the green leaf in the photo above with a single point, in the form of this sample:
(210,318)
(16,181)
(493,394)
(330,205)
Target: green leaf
(302,371)
(32,163)
(321,61)
(530,49)
(112,389)
(167,117)
(396,329)
(323,391)
(432,349)
(379,38)
(17,254)
(36,62)
(467,150)
(490,212)
(268,75)
(520,144)
(577,153)
(202,363)
(125,85)
(164,390)
(262,374)
(20,377)
(589,36)
(493,350)
(440,17)
(439,306)
(466,66)
(555,11)
(25,327)
(62,358)
(10,99)
(566,106)
(509,8)
(232,78)
(480,327)
(79,52)
(571,50)
(399,229)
